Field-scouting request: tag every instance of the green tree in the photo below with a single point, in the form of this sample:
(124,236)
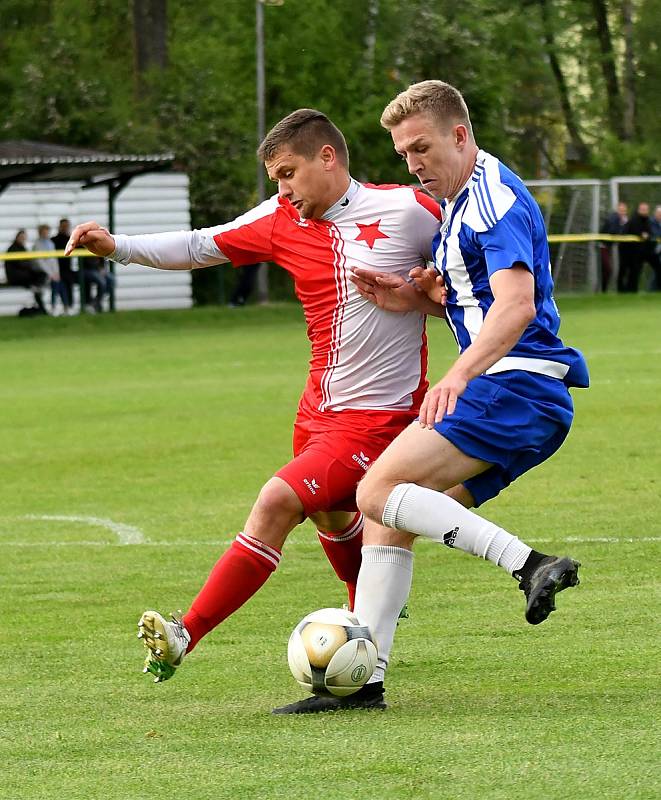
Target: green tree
(555,88)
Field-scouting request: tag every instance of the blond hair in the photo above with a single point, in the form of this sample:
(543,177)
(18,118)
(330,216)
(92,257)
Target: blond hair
(442,102)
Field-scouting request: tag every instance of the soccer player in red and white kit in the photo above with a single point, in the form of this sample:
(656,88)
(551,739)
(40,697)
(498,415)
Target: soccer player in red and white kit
(368,366)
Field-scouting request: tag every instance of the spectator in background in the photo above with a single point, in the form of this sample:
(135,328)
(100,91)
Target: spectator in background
(50,266)
(96,282)
(67,275)
(655,241)
(613,224)
(244,285)
(634,254)
(109,281)
(26,273)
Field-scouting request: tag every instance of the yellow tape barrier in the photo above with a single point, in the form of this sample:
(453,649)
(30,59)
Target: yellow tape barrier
(22,256)
(553,238)
(594,237)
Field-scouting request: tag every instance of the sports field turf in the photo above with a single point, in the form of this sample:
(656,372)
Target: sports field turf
(163,426)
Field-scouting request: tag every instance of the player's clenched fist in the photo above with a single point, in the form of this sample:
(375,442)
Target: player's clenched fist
(91,235)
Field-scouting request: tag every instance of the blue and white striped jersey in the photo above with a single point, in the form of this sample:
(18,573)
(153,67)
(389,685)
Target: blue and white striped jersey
(493,223)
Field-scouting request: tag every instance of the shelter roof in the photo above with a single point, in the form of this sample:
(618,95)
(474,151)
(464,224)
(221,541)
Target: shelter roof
(23,160)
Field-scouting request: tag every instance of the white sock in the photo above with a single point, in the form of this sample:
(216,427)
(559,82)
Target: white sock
(384,583)
(436,516)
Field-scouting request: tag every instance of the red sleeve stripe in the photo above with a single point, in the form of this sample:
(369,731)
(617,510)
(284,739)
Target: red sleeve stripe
(428,202)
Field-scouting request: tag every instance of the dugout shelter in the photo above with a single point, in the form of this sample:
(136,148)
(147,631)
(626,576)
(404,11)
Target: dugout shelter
(42,182)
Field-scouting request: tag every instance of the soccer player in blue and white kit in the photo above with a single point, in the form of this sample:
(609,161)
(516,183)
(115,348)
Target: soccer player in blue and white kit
(503,406)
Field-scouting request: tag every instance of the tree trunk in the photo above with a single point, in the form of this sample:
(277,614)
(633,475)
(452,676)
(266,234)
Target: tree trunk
(370,39)
(580,148)
(150,44)
(629,77)
(608,69)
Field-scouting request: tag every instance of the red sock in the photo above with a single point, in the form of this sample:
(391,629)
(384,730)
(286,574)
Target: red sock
(237,575)
(342,549)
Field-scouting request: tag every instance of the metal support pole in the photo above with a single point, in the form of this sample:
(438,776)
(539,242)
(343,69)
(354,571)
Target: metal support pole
(114,188)
(594,270)
(614,185)
(261,92)
(262,272)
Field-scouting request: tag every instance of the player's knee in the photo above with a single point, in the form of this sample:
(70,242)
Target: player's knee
(277,500)
(369,497)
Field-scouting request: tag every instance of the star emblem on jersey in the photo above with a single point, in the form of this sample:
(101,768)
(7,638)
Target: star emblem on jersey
(370,233)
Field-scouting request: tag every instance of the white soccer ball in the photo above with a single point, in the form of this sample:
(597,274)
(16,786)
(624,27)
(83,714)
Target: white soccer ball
(331,652)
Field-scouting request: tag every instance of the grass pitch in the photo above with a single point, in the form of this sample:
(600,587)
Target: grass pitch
(163,426)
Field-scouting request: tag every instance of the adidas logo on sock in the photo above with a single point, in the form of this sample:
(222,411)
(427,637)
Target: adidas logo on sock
(450,536)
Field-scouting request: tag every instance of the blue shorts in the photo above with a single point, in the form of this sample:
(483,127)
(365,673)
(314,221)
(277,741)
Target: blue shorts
(513,420)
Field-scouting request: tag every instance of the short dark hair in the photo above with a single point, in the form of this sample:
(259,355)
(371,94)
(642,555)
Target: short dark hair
(306,131)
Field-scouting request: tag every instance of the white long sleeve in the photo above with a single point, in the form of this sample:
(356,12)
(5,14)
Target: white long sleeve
(171,250)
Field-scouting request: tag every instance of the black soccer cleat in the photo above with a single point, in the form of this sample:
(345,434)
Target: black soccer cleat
(551,576)
(370,698)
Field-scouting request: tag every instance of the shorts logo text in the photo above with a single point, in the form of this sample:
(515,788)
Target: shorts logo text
(361,459)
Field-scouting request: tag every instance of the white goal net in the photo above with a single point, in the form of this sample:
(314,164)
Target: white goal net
(574,211)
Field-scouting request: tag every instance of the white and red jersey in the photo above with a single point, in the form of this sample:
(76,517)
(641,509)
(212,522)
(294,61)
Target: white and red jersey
(362,356)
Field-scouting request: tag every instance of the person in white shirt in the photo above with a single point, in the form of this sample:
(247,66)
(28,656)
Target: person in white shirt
(49,265)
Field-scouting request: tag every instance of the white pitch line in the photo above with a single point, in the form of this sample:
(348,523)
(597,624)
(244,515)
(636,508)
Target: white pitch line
(614,539)
(312,543)
(126,534)
(599,539)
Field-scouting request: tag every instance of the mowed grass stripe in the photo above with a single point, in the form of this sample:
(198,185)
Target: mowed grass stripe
(170,422)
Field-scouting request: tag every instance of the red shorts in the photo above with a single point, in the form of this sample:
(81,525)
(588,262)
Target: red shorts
(333,451)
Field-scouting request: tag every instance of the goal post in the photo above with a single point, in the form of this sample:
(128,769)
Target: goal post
(571,207)
(574,211)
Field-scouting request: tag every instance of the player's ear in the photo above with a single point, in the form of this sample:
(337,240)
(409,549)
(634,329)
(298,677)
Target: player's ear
(460,135)
(328,156)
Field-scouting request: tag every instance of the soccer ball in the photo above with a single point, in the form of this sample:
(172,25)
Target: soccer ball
(331,652)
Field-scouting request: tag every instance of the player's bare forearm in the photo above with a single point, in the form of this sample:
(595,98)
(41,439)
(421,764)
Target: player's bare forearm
(503,326)
(509,315)
(428,306)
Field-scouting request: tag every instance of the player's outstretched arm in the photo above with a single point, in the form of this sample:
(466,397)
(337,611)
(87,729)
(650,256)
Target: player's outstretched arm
(170,250)
(393,293)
